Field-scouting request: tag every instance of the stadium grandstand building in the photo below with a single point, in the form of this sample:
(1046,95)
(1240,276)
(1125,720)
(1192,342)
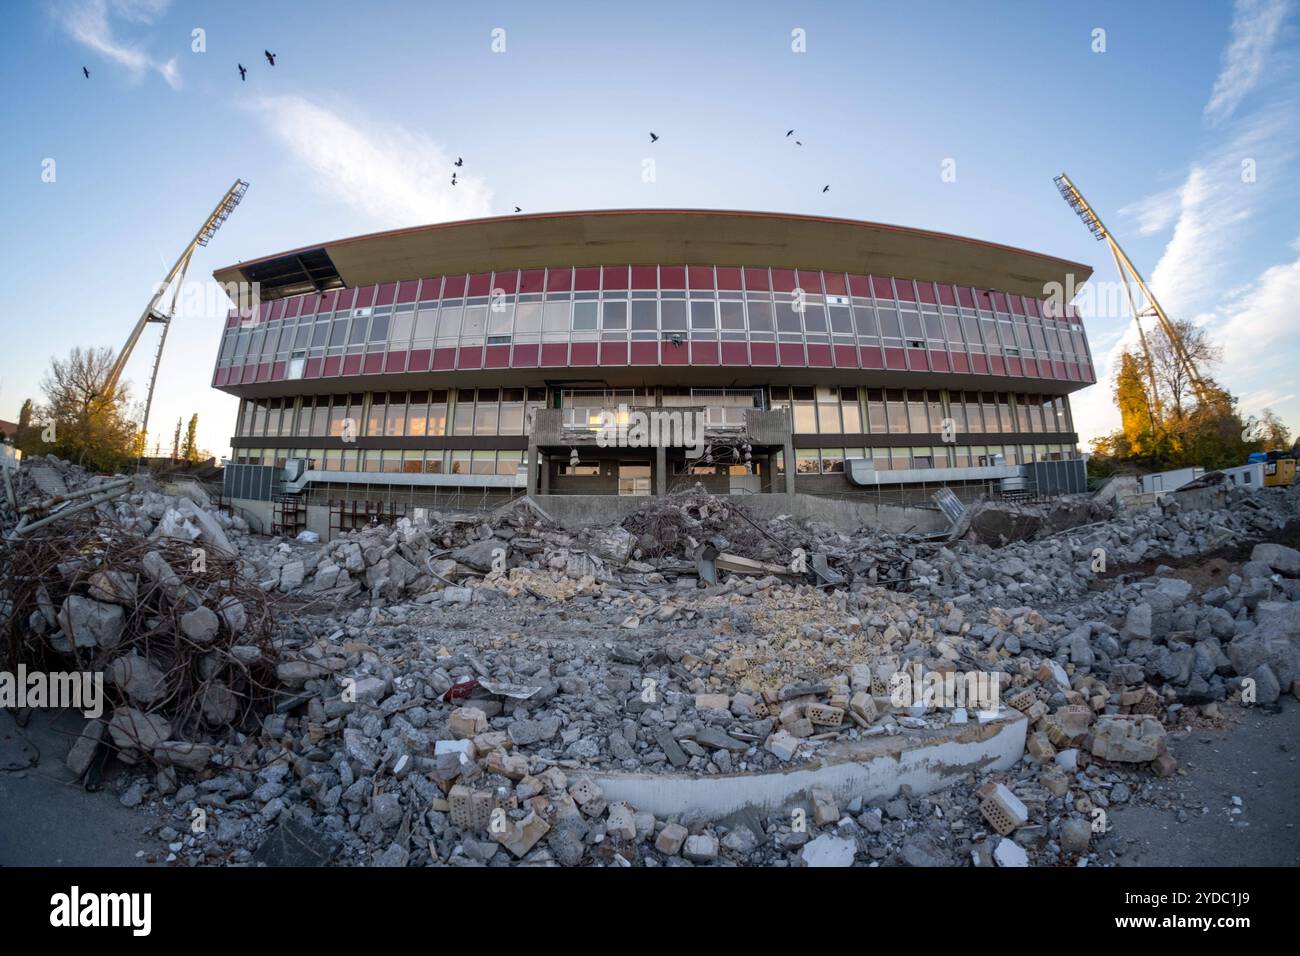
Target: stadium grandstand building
(463,363)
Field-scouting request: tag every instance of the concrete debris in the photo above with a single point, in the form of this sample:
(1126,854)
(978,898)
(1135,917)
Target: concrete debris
(451,690)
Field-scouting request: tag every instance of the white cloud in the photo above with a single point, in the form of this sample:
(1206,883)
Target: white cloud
(88,22)
(390,174)
(1215,205)
(1259,328)
(1255,25)
(1155,212)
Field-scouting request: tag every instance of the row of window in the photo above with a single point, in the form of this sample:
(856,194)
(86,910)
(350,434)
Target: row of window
(830,461)
(646,316)
(829,410)
(434,412)
(506,411)
(411,461)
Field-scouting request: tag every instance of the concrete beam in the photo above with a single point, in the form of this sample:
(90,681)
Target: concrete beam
(870,769)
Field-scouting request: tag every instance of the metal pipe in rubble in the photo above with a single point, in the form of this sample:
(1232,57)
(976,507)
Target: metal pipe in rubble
(23,529)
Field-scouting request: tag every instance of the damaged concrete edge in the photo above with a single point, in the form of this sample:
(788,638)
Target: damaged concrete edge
(873,769)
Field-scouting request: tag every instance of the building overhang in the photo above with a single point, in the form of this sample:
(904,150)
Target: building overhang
(657,236)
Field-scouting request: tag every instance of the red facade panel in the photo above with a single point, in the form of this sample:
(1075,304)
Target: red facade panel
(614,277)
(507,282)
(395,362)
(586,280)
(615,353)
(762,353)
(704,353)
(895,359)
(386,293)
(846,356)
(419,361)
(756,280)
(444,359)
(916,360)
(871,357)
(525,356)
(700,277)
(583,354)
(480,283)
(408,291)
(979,364)
(735,353)
(497,356)
(648,354)
(453,287)
(819,355)
(559,280)
(859,286)
(672,277)
(470,357)
(557,354)
(960,362)
(791,354)
(939,362)
(645,277)
(729,278)
(675,354)
(532,280)
(312,369)
(374,363)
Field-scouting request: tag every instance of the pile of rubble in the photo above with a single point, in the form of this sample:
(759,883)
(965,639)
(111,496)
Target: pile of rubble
(452,690)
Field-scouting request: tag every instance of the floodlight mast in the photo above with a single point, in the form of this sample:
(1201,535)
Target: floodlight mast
(172,281)
(1129,275)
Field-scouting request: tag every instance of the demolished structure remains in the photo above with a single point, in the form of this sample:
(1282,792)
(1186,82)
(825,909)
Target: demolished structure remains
(691,684)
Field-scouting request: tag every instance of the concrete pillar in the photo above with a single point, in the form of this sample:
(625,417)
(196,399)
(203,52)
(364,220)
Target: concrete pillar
(545,464)
(661,471)
(532,469)
(789,463)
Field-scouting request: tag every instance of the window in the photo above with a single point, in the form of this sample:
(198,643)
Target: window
(633,478)
(378,409)
(589,469)
(417,414)
(395,417)
(896,411)
(828,410)
(832,460)
(807,461)
(849,410)
(805,411)
(437,413)
(463,416)
(876,420)
(486,412)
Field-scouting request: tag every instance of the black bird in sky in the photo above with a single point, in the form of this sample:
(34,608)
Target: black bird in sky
(797,143)
(789,133)
(86,71)
(242,71)
(653,138)
(517,209)
(270,57)
(459,162)
(826,188)
(453,179)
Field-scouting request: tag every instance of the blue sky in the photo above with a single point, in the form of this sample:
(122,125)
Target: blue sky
(355,127)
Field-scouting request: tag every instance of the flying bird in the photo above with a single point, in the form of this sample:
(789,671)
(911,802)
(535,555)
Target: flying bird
(653,137)
(826,188)
(453,179)
(789,133)
(517,209)
(459,162)
(270,57)
(797,143)
(242,72)
(86,71)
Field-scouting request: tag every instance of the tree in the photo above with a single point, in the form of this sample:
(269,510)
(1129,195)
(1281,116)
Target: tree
(1275,435)
(191,449)
(83,419)
(1134,406)
(1171,373)
(25,436)
(176,441)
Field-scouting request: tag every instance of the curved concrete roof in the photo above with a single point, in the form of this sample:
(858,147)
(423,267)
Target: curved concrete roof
(684,237)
